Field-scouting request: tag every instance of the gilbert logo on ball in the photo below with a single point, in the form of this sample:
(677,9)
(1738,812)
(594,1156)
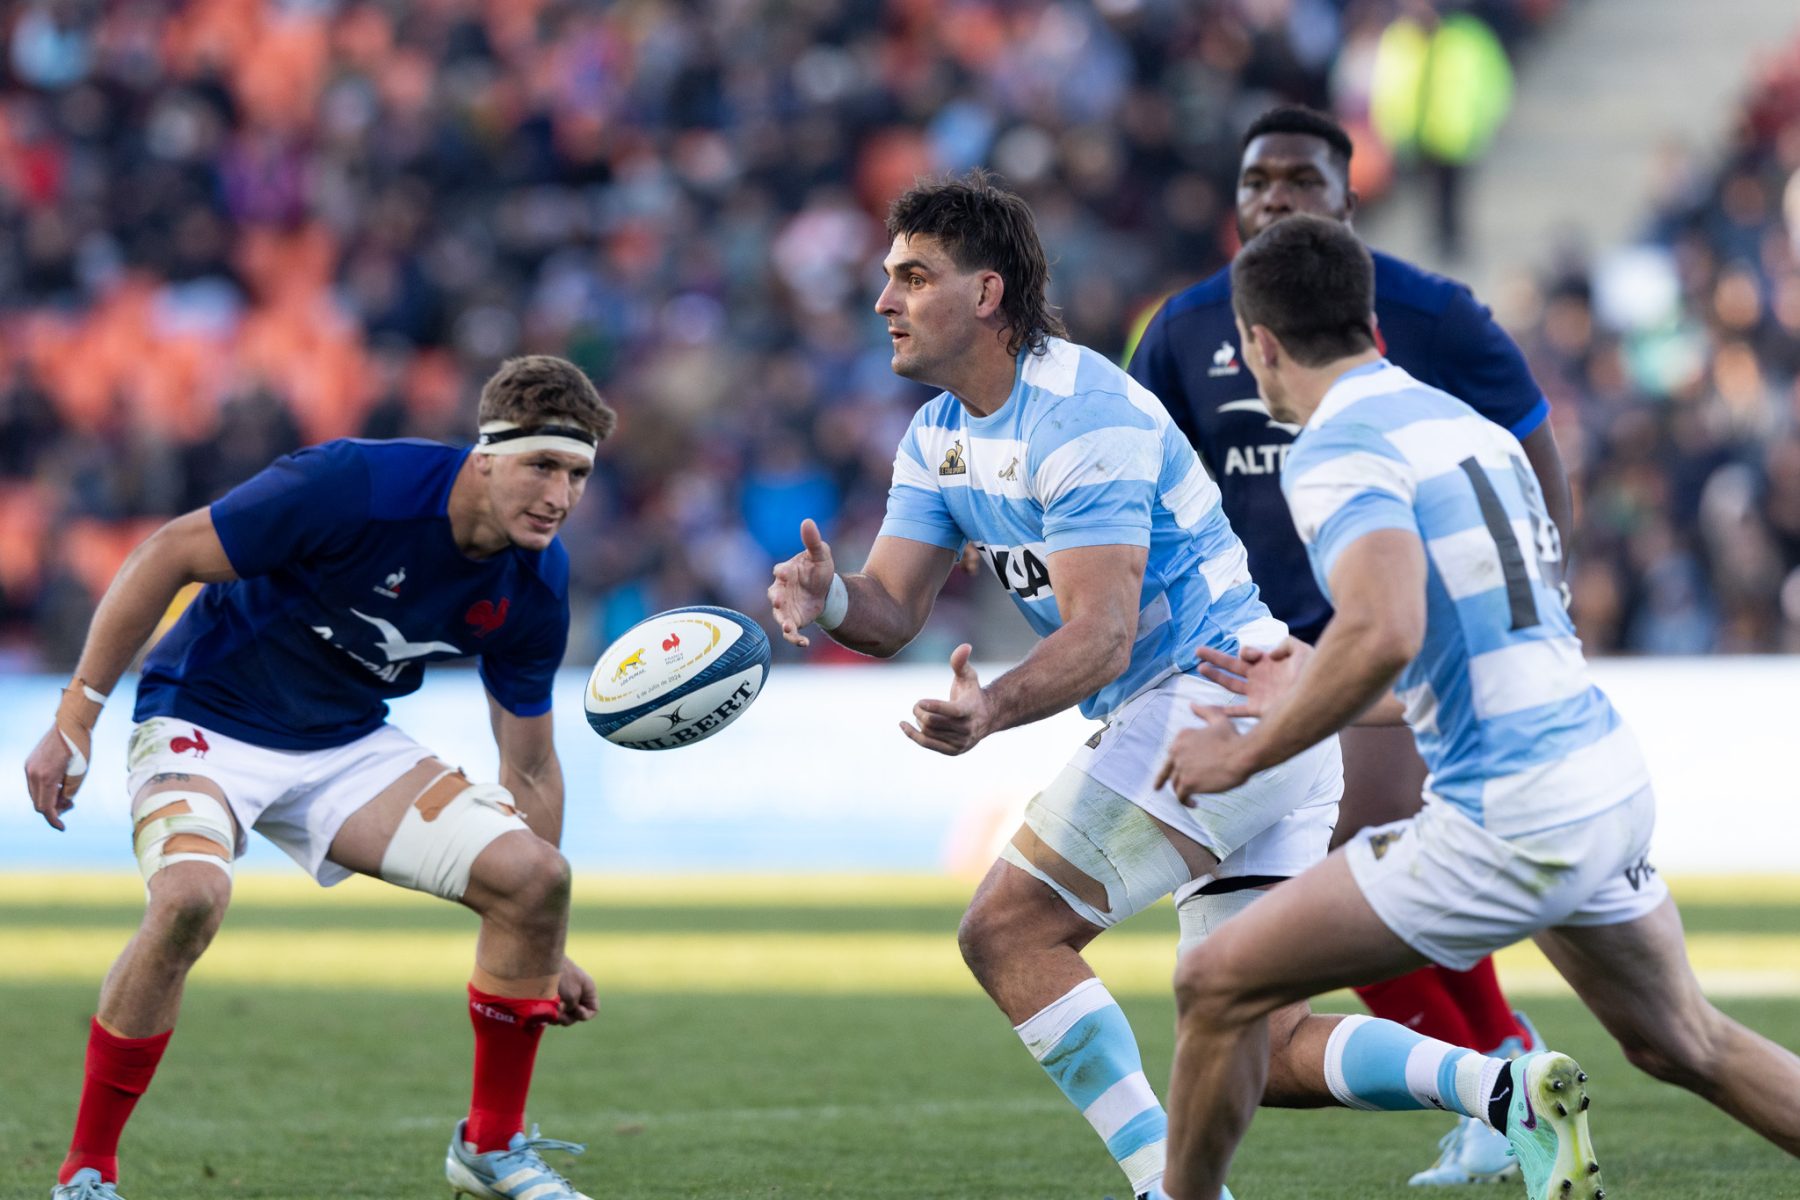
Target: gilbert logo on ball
(677,678)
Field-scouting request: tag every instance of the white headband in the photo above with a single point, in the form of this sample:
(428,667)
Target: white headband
(506,437)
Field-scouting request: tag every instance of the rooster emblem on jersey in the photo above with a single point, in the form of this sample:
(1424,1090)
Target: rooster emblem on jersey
(953,463)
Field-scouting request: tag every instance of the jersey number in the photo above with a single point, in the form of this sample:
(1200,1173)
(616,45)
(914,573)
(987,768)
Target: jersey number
(1519,596)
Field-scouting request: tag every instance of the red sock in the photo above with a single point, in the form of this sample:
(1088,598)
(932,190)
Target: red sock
(118,1071)
(1478,997)
(507,1029)
(1419,1002)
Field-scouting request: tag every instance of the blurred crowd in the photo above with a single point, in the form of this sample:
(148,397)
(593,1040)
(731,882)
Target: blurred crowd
(1673,368)
(232,227)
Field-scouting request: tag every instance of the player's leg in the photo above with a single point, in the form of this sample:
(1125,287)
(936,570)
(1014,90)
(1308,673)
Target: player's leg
(1384,779)
(1437,885)
(1022,938)
(185,838)
(1636,979)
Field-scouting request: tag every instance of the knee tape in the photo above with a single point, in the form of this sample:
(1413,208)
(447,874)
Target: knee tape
(172,827)
(443,831)
(1105,837)
(1201,914)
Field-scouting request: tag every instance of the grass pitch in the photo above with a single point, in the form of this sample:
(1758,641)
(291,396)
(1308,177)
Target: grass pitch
(757,1038)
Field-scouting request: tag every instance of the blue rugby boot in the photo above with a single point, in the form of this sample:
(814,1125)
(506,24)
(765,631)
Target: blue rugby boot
(515,1173)
(85,1184)
(1469,1153)
(1547,1124)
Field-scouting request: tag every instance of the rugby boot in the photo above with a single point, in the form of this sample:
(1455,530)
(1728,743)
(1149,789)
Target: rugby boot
(85,1184)
(510,1174)
(1547,1124)
(1469,1153)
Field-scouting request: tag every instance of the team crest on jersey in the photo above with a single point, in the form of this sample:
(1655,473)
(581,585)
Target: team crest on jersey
(486,616)
(1011,473)
(1224,361)
(953,463)
(390,587)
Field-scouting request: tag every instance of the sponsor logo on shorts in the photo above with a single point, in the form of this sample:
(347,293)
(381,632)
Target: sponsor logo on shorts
(1093,743)
(1379,842)
(1639,873)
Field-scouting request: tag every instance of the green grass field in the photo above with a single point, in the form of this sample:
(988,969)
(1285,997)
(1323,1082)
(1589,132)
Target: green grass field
(757,1038)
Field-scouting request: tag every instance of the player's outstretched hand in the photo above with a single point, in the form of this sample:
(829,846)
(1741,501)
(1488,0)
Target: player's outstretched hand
(580,998)
(1261,677)
(797,596)
(957,724)
(1202,760)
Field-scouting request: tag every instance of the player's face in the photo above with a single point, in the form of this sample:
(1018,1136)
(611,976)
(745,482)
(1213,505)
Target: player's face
(531,494)
(1287,173)
(931,307)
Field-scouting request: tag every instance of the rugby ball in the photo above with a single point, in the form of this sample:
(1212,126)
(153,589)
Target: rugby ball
(677,678)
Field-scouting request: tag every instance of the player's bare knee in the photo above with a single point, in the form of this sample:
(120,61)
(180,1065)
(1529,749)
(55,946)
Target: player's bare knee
(1210,993)
(521,879)
(186,908)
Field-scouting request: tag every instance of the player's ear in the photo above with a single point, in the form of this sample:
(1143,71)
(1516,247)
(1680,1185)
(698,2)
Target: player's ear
(993,289)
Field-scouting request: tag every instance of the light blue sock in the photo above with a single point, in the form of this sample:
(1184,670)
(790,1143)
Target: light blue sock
(1372,1064)
(1085,1044)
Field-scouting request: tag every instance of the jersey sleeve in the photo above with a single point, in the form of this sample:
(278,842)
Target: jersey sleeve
(522,677)
(915,507)
(301,505)
(1094,464)
(1477,362)
(1342,483)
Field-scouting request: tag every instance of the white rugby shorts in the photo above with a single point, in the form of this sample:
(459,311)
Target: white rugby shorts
(1456,893)
(298,799)
(1127,755)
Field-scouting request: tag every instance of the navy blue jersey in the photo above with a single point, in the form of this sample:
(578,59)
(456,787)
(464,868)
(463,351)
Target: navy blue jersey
(1189,356)
(350,582)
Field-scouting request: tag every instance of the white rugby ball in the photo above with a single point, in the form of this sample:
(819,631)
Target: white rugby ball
(677,678)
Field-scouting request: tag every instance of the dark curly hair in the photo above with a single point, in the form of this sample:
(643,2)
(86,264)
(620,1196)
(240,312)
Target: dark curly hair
(987,228)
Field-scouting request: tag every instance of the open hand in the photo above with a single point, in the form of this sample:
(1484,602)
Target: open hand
(797,596)
(1261,677)
(956,724)
(1205,758)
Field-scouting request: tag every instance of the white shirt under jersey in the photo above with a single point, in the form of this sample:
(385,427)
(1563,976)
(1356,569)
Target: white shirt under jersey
(1499,698)
(1081,454)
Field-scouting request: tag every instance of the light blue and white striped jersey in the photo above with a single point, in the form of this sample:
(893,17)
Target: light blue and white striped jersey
(1499,698)
(1082,455)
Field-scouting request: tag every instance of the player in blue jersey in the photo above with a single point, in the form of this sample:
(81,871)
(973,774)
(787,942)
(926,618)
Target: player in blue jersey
(1296,160)
(1430,536)
(1100,522)
(332,579)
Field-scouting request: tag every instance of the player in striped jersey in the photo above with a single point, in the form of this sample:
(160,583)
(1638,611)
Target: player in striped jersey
(1097,517)
(1425,527)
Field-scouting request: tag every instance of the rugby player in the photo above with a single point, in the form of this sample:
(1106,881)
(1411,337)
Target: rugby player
(332,578)
(1298,160)
(1098,519)
(1425,525)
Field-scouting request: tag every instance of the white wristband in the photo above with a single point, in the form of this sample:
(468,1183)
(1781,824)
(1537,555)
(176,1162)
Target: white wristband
(837,605)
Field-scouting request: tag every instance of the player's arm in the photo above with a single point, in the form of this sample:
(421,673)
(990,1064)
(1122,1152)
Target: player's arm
(186,550)
(1097,594)
(879,609)
(1545,457)
(529,768)
(1378,588)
